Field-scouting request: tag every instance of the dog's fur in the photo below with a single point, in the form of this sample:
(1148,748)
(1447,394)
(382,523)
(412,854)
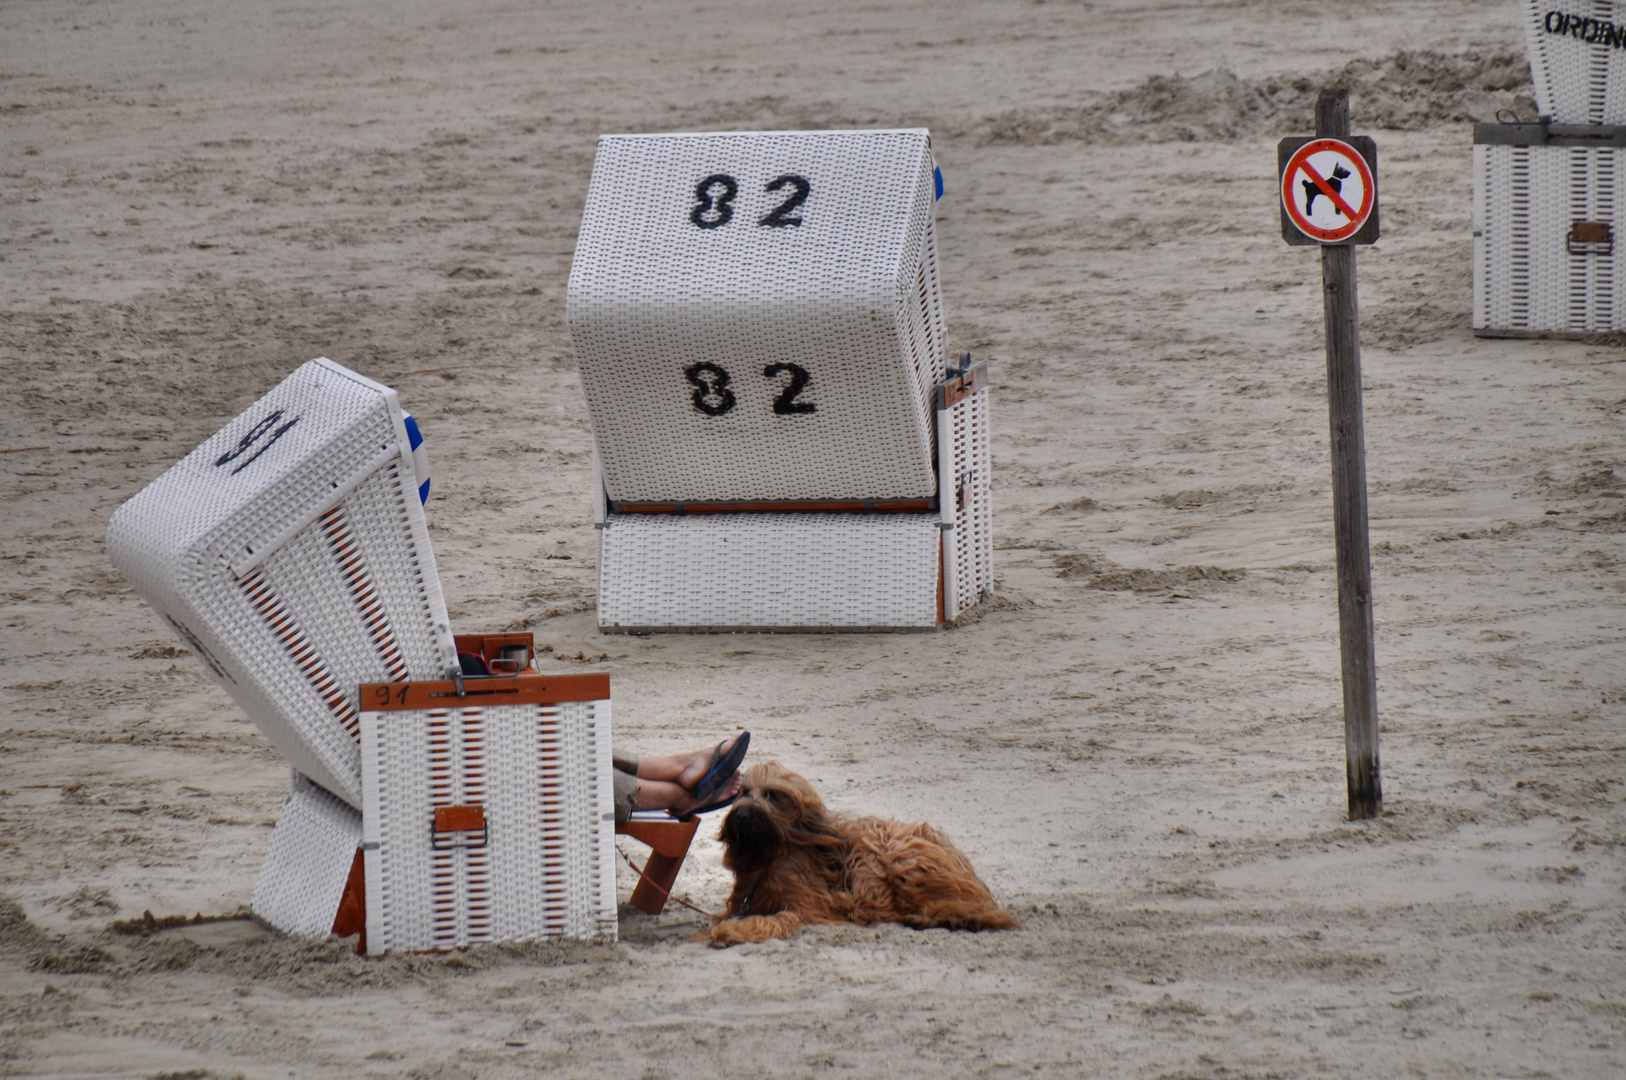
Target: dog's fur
(795,864)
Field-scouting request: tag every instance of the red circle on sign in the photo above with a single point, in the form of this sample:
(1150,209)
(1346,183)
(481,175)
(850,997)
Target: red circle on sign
(1301,174)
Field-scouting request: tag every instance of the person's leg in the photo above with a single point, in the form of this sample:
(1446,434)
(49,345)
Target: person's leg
(684,770)
(626,796)
(673,797)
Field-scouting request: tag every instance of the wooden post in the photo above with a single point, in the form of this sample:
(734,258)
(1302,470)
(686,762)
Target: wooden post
(1355,628)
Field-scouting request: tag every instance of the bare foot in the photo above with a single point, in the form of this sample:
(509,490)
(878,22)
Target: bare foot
(699,763)
(684,770)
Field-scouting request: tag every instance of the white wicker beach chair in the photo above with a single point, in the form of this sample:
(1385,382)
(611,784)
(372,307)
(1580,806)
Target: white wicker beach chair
(1548,195)
(757,322)
(290,552)
(489,815)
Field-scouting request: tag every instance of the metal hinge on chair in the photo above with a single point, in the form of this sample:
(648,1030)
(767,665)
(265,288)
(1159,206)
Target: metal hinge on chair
(1590,238)
(962,382)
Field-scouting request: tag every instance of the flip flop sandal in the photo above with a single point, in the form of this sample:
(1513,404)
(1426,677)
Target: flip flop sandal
(721,769)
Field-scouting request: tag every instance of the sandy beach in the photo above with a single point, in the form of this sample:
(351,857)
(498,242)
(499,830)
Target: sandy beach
(1138,740)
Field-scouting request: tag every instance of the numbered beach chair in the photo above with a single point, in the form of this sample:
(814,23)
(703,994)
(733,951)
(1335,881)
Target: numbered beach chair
(1549,195)
(487,818)
(291,554)
(779,443)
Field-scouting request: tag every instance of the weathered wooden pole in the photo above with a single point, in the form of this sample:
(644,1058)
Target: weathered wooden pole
(1355,625)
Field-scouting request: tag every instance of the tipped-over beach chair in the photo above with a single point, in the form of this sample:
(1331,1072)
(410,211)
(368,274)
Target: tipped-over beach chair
(291,553)
(778,441)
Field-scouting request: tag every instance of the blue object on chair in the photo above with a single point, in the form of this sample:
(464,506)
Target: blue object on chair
(420,456)
(937,177)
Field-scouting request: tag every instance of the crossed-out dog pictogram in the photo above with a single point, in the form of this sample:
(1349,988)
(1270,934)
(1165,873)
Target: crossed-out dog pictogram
(1327,190)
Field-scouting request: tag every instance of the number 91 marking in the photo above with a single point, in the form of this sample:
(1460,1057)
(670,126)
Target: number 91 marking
(716,194)
(382,694)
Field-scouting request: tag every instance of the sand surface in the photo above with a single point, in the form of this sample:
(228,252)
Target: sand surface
(1144,760)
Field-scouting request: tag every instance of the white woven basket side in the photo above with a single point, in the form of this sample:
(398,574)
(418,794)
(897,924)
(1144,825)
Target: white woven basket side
(402,577)
(401,780)
(1593,194)
(920,304)
(769,571)
(526,763)
(540,774)
(1481,167)
(972,538)
(308,864)
(1508,236)
(1614,206)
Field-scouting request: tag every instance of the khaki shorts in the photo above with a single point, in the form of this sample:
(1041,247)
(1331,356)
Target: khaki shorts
(626,786)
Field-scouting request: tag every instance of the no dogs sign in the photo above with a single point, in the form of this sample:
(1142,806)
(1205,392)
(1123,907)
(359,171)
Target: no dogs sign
(1329,190)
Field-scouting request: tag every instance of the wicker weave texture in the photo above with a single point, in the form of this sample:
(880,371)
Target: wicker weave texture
(969,546)
(291,553)
(780,571)
(677,284)
(305,871)
(1577,73)
(543,870)
(1527,276)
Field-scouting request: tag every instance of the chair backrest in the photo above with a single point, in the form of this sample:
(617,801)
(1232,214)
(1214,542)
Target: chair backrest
(291,553)
(756,315)
(1577,60)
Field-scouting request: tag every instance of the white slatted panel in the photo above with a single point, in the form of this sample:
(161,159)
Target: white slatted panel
(547,872)
(1526,278)
(312,849)
(768,572)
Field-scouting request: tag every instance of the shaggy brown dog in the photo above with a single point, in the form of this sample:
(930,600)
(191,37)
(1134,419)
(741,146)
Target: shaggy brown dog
(796,864)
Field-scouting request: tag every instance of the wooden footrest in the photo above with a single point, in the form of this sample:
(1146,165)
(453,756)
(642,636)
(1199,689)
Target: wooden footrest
(668,845)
